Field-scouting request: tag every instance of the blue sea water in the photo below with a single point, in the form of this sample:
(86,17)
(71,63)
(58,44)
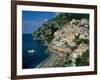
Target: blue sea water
(40,54)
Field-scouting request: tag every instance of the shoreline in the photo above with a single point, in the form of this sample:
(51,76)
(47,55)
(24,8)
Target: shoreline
(45,63)
(53,54)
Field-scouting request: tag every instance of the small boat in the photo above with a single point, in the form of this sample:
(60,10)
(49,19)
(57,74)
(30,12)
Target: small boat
(31,51)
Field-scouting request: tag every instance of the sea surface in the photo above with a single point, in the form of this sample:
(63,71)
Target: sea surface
(31,60)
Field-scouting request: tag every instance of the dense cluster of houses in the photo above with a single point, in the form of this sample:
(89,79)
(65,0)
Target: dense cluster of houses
(65,38)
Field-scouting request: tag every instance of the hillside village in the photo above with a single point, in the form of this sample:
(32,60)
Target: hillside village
(69,43)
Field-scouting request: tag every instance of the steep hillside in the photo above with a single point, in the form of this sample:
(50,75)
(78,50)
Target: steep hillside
(46,31)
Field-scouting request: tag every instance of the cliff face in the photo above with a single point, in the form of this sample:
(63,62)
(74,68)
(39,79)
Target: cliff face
(68,34)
